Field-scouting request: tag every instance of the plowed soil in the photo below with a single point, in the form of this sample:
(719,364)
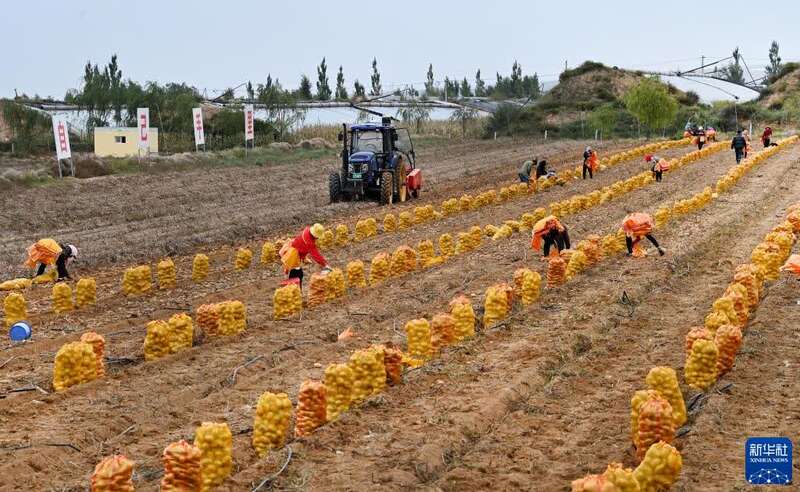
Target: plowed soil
(531,404)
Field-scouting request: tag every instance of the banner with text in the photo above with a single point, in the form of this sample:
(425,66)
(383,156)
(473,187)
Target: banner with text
(61,134)
(199,134)
(143,119)
(249,133)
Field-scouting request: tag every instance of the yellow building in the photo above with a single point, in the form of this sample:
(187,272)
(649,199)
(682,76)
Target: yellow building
(121,142)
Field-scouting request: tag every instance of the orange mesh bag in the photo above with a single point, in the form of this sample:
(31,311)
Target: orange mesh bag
(728,340)
(182,468)
(208,318)
(43,251)
(443,328)
(556,272)
(637,224)
(656,423)
(393,363)
(696,333)
(637,401)
(312,409)
(113,474)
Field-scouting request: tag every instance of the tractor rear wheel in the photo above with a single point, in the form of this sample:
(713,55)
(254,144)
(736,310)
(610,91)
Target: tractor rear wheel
(387,188)
(334,187)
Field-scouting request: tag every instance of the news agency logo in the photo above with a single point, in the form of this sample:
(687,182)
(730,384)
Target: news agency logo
(768,460)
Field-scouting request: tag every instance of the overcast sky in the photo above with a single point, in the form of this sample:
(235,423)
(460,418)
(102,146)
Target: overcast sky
(218,44)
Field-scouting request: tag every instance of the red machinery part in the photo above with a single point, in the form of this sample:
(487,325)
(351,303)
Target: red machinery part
(414,180)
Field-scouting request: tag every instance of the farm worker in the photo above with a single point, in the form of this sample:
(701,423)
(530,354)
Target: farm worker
(541,169)
(766,137)
(549,232)
(711,134)
(589,162)
(658,166)
(747,148)
(739,145)
(294,253)
(525,171)
(701,138)
(48,252)
(636,226)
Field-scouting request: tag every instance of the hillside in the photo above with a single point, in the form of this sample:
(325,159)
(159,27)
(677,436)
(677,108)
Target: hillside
(783,86)
(593,84)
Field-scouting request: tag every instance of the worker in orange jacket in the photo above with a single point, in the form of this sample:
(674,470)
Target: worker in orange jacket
(549,232)
(589,162)
(295,252)
(639,225)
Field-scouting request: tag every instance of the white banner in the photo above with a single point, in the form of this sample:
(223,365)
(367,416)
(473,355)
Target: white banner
(199,134)
(249,133)
(143,119)
(61,134)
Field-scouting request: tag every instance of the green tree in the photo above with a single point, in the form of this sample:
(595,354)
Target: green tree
(304,91)
(604,119)
(774,61)
(791,106)
(480,85)
(375,78)
(359,91)
(652,105)
(465,89)
(323,89)
(464,116)
(516,79)
(251,93)
(734,72)
(450,88)
(414,113)
(341,91)
(116,87)
(430,84)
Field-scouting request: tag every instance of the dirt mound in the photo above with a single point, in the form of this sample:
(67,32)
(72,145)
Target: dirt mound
(782,87)
(86,166)
(315,143)
(592,84)
(280,146)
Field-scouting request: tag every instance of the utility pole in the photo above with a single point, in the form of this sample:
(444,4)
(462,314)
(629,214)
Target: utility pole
(565,65)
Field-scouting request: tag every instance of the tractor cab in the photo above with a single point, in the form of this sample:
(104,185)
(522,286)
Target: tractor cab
(378,161)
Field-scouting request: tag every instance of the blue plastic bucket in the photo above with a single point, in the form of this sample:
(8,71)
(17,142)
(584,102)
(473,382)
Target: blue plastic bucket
(20,331)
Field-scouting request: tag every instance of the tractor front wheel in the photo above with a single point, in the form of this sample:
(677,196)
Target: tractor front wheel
(387,188)
(335,187)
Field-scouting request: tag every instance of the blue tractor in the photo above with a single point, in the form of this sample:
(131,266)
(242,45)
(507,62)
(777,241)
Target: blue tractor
(378,162)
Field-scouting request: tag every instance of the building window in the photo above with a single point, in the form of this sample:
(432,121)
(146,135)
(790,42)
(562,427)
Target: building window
(119,139)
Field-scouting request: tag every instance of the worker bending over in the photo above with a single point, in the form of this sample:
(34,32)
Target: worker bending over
(541,169)
(589,162)
(547,233)
(294,253)
(658,166)
(526,169)
(48,252)
(639,225)
(739,145)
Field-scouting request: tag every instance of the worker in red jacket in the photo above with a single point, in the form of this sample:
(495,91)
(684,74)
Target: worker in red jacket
(295,252)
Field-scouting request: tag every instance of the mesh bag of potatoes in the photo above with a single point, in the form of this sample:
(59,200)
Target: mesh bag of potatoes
(98,344)
(311,408)
(182,468)
(200,265)
(215,442)
(271,423)
(86,292)
(75,363)
(113,474)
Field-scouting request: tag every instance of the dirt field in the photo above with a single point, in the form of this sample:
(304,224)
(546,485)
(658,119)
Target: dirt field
(122,219)
(532,404)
